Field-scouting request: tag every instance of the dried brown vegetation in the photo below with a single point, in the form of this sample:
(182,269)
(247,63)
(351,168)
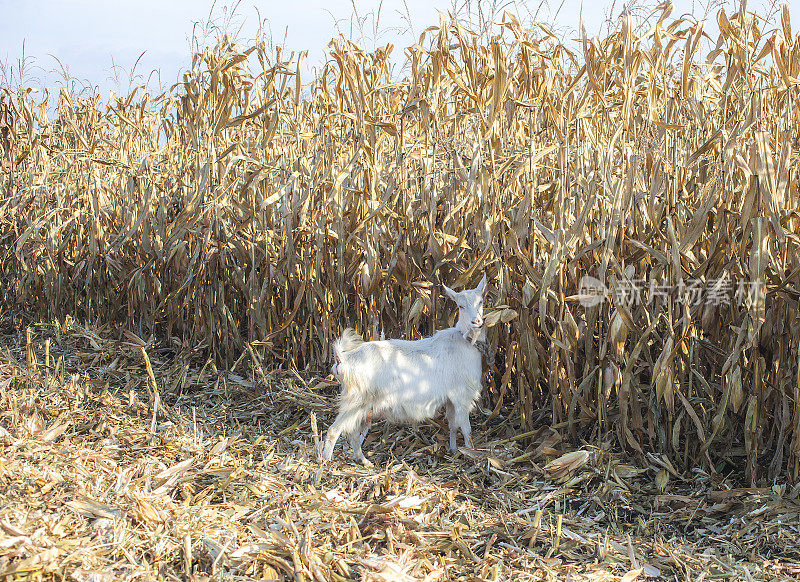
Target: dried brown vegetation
(107,473)
(244,216)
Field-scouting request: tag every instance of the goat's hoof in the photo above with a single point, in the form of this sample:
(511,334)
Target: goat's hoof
(366,463)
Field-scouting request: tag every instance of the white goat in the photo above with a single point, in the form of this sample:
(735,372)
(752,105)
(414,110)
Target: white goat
(409,381)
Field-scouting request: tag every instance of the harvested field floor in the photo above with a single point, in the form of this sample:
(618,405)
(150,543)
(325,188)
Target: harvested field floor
(215,476)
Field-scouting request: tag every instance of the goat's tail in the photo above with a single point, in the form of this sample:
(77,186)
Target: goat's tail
(350,340)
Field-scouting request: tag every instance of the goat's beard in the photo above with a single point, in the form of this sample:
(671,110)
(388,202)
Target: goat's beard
(472,335)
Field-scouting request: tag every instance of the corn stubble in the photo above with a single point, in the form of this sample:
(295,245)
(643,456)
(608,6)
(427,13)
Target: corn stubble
(246,214)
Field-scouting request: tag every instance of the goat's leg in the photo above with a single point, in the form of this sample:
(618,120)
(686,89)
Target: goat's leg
(367,425)
(450,411)
(356,440)
(348,421)
(462,418)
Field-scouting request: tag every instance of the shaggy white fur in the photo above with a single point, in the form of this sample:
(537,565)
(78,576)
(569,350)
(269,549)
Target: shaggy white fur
(409,381)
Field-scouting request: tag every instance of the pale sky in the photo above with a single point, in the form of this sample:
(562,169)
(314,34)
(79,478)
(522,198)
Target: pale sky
(88,36)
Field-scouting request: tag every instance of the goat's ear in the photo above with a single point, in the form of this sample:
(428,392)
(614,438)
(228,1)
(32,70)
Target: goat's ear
(450,293)
(482,285)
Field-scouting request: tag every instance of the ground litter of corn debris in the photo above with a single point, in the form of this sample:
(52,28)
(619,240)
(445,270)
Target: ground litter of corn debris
(125,460)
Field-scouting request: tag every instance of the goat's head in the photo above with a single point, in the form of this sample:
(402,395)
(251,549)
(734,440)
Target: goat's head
(470,306)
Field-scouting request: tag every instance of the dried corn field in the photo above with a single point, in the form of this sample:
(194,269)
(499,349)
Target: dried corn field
(249,217)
